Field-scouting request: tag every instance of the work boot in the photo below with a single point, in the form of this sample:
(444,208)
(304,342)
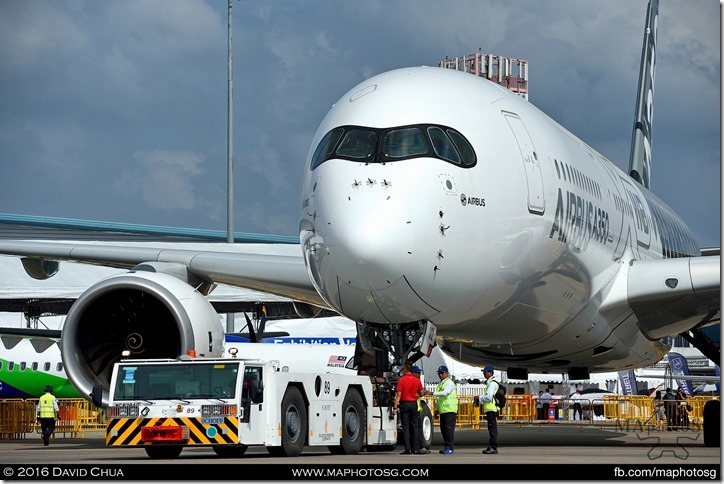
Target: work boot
(490,450)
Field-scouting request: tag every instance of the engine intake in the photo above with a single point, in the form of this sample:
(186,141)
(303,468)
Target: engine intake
(151,315)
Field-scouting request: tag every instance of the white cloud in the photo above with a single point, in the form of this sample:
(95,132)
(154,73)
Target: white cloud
(33,32)
(165,28)
(167,179)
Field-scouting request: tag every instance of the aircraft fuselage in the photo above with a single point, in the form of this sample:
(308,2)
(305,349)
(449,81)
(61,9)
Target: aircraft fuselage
(509,250)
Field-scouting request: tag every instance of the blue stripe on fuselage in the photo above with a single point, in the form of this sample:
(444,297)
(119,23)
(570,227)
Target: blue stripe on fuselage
(9,391)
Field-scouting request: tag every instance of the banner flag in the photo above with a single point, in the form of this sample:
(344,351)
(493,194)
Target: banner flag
(628,382)
(679,367)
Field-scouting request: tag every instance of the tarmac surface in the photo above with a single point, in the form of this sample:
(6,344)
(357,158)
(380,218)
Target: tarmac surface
(525,451)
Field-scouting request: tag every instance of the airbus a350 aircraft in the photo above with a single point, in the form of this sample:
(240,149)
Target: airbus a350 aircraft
(435,206)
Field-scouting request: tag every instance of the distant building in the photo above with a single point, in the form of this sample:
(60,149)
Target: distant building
(506,71)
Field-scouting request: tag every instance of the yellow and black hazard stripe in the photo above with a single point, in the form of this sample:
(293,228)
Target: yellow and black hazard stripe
(127,431)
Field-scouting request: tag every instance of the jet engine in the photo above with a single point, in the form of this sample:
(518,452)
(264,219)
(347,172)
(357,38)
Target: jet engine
(147,314)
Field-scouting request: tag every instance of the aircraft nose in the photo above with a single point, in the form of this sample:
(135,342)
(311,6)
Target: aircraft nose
(372,241)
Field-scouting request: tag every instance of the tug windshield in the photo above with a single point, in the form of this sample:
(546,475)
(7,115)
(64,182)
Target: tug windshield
(176,381)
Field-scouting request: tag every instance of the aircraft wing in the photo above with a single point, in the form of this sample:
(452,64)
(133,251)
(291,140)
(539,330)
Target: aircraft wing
(271,268)
(669,295)
(50,334)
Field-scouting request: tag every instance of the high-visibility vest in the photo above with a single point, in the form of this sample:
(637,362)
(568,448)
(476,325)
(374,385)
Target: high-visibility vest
(46,409)
(447,403)
(490,406)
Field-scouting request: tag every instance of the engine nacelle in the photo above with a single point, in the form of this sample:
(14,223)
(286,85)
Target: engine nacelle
(152,315)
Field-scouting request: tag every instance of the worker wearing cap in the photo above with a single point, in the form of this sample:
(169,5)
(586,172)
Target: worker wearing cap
(490,407)
(446,403)
(416,372)
(47,414)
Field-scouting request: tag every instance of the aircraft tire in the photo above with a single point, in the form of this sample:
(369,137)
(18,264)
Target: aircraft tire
(427,424)
(712,421)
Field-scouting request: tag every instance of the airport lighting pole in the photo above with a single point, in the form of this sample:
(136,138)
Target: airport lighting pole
(229,163)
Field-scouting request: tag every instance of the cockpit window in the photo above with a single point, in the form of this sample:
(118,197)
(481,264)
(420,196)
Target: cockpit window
(326,146)
(443,145)
(358,144)
(387,145)
(464,148)
(403,143)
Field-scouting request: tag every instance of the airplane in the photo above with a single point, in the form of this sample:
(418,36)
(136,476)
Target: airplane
(491,231)
(28,364)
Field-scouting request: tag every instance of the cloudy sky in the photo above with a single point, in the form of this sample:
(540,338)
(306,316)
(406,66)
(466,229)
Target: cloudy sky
(116,110)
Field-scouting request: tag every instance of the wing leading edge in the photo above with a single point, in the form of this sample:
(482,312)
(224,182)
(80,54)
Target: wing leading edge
(272,268)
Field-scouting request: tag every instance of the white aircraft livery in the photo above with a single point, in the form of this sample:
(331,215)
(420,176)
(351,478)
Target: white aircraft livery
(436,208)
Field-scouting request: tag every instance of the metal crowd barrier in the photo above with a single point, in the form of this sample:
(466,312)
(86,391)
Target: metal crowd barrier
(630,411)
(76,417)
(16,418)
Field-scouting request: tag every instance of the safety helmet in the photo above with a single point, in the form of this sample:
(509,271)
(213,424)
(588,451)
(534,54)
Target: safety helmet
(48,388)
